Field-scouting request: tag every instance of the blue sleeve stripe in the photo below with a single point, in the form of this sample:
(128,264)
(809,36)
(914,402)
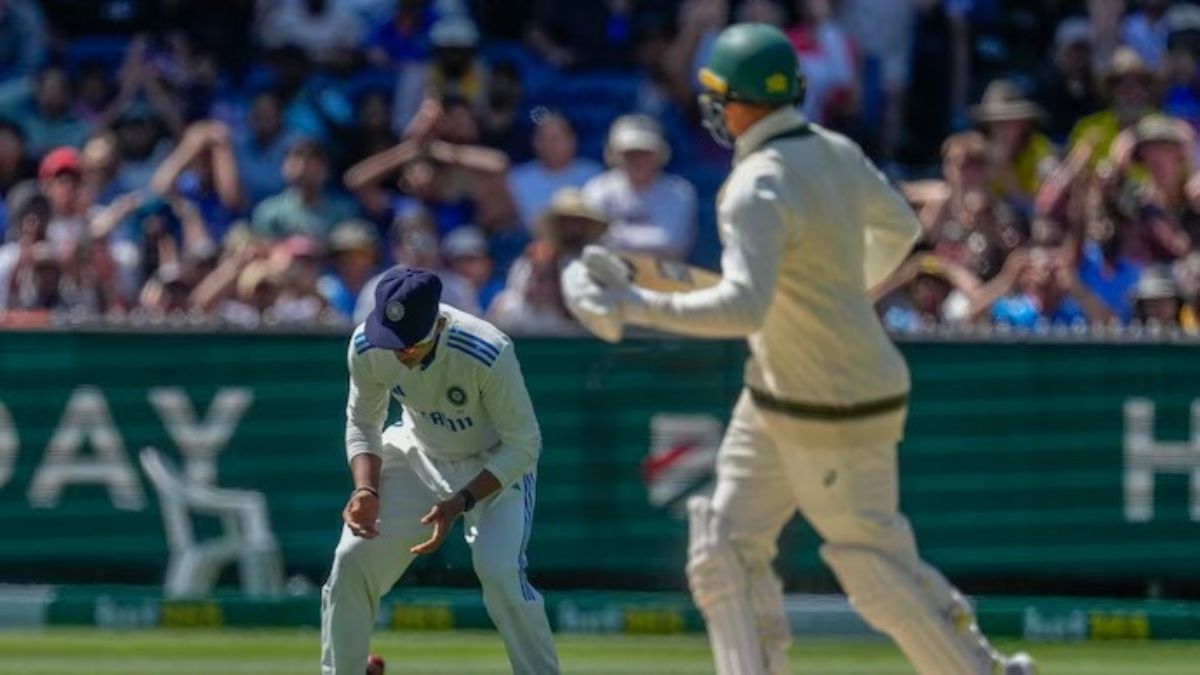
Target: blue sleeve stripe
(470,351)
(361,344)
(484,346)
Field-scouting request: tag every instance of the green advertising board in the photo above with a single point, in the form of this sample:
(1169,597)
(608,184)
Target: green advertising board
(1027,461)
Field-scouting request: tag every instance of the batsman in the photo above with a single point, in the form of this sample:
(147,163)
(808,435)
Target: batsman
(807,225)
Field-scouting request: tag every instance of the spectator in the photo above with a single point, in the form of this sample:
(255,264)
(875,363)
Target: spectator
(564,229)
(925,292)
(93,280)
(465,251)
(1160,208)
(582,34)
(1131,88)
(372,133)
(1020,158)
(446,179)
(28,217)
(1182,99)
(967,224)
(403,37)
(49,122)
(297,261)
(1157,301)
(257,290)
(649,211)
(826,59)
(536,307)
(59,178)
(37,281)
(883,30)
(22,38)
(503,125)
(306,207)
(415,244)
(455,73)
(93,94)
(557,166)
(142,146)
(1038,287)
(324,29)
(1068,92)
(354,245)
(166,292)
(1145,31)
(15,164)
(261,153)
(203,170)
(1106,271)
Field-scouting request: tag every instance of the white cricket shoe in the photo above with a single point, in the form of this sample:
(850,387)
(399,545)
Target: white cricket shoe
(1017,664)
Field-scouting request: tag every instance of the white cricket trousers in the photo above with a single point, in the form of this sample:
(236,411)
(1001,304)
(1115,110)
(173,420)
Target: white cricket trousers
(767,470)
(497,530)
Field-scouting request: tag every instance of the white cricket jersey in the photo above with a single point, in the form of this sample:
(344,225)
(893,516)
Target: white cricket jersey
(469,398)
(807,225)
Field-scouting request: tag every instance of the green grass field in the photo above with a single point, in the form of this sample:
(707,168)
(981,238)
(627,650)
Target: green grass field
(294,652)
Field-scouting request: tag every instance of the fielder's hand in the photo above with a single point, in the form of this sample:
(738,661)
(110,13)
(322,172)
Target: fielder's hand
(441,516)
(361,514)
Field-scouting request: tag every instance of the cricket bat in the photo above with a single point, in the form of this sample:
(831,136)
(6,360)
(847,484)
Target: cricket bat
(667,276)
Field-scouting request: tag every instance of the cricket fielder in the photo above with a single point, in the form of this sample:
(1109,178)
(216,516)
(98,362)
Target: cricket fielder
(467,445)
(807,226)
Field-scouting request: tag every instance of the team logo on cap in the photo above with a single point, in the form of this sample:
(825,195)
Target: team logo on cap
(456,395)
(394,310)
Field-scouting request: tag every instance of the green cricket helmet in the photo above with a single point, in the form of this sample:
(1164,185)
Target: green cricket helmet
(751,63)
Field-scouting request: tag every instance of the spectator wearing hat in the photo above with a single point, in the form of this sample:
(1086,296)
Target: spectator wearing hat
(966,223)
(924,292)
(454,73)
(1157,300)
(1020,157)
(47,120)
(203,170)
(325,29)
(1132,91)
(306,207)
(59,178)
(536,306)
(556,166)
(415,245)
(1068,91)
(261,152)
(297,262)
(649,211)
(1160,201)
(465,251)
(354,248)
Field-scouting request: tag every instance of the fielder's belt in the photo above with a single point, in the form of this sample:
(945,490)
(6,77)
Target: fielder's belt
(826,412)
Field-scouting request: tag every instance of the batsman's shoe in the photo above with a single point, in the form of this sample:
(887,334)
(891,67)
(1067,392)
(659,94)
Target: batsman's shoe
(375,665)
(1017,664)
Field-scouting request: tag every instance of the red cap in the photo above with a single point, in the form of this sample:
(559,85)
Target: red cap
(57,161)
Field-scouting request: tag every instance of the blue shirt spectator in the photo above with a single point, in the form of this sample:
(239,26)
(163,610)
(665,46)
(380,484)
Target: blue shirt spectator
(1111,281)
(403,37)
(261,152)
(22,38)
(1022,311)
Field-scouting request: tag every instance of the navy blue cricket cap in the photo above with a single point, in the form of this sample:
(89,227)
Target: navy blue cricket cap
(406,307)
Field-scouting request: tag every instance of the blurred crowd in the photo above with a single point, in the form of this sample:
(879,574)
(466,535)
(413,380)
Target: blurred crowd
(260,162)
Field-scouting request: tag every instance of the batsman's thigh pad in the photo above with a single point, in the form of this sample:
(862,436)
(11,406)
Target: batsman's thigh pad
(892,599)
